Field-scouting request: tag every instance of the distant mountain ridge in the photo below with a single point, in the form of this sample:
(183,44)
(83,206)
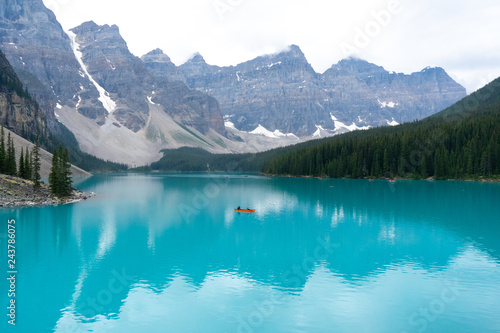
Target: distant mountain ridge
(127,109)
(283,92)
(88,80)
(460,142)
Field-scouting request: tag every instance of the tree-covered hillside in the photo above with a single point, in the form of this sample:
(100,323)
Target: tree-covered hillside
(460,142)
(197,159)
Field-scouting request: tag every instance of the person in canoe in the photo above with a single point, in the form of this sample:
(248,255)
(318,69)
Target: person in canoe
(248,210)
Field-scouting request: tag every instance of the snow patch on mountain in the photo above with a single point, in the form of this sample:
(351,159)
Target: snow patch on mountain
(110,64)
(387,104)
(229,124)
(339,126)
(274,64)
(361,120)
(261,130)
(392,123)
(317,134)
(104,98)
(429,68)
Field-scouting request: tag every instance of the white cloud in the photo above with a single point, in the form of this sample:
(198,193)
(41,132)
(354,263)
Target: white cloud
(457,35)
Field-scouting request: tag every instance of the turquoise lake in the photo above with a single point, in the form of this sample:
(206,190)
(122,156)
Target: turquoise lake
(167,253)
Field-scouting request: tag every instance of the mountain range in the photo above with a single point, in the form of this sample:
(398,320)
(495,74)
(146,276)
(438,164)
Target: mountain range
(127,109)
(460,142)
(283,92)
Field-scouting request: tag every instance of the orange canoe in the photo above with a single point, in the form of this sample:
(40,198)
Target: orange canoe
(244,210)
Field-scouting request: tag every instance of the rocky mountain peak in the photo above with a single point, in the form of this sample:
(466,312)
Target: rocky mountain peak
(431,69)
(112,66)
(354,65)
(40,52)
(290,66)
(136,85)
(435,72)
(102,34)
(161,66)
(293,54)
(282,92)
(87,26)
(197,58)
(155,52)
(26,12)
(157,55)
(295,51)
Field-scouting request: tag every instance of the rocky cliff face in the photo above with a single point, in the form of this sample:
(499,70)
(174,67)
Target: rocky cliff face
(40,52)
(125,79)
(88,80)
(274,91)
(18,112)
(127,109)
(376,95)
(190,107)
(160,65)
(133,86)
(283,92)
(90,69)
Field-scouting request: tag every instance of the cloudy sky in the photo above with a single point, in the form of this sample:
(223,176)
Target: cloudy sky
(462,36)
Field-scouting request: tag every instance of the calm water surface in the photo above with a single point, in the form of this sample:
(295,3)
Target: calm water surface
(167,253)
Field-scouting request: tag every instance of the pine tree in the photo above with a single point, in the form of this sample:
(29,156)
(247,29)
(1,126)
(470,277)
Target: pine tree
(22,170)
(27,164)
(35,163)
(11,167)
(65,173)
(3,154)
(386,166)
(54,176)
(60,174)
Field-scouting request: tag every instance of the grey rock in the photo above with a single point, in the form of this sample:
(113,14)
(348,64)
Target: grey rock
(160,65)
(123,75)
(42,54)
(40,51)
(18,112)
(131,82)
(282,91)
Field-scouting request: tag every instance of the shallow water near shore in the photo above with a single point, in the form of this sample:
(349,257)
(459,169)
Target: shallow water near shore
(167,253)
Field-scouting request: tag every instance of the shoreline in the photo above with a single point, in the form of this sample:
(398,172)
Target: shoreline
(17,192)
(431,179)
